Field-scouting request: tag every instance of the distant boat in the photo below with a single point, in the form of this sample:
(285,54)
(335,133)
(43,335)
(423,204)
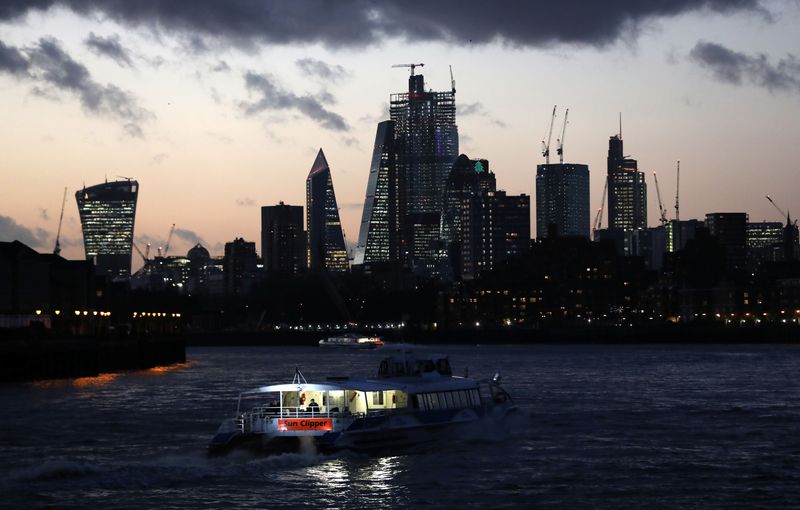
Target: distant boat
(352,341)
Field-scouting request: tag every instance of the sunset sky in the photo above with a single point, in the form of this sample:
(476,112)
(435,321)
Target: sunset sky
(218,108)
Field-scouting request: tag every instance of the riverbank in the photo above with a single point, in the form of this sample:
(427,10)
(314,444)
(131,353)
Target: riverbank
(31,359)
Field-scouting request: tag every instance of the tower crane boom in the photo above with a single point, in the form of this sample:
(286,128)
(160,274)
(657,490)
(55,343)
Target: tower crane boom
(560,141)
(598,219)
(661,211)
(546,146)
(169,238)
(678,194)
(57,249)
(411,66)
(452,81)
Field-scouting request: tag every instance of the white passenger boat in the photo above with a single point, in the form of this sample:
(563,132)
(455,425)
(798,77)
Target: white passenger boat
(414,400)
(352,341)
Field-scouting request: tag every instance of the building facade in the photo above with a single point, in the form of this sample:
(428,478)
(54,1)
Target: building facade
(379,235)
(627,190)
(426,141)
(326,247)
(240,265)
(562,199)
(107,213)
(730,229)
(283,240)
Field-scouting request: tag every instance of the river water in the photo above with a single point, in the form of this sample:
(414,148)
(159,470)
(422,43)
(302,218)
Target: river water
(599,427)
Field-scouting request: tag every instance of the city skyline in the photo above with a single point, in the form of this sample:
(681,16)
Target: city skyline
(242,128)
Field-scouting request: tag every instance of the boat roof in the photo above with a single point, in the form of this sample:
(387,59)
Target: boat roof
(408,384)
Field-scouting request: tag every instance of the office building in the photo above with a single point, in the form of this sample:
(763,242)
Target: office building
(107,213)
(326,248)
(283,240)
(505,228)
(562,199)
(240,265)
(379,235)
(730,229)
(627,190)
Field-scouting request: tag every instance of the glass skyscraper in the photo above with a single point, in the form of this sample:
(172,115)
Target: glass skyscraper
(107,213)
(326,248)
(627,190)
(562,199)
(379,236)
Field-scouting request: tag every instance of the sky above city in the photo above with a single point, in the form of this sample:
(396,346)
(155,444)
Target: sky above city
(219,108)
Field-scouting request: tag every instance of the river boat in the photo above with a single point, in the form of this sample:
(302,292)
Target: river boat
(352,341)
(415,400)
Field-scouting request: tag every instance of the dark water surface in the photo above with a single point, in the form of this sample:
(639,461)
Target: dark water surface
(600,427)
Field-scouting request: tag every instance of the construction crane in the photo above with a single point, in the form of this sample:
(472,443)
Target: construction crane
(678,194)
(783,214)
(661,211)
(139,251)
(598,219)
(411,66)
(452,80)
(560,141)
(57,249)
(546,146)
(166,246)
(147,252)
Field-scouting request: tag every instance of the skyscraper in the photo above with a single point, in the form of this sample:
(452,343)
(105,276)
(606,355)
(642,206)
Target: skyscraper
(283,240)
(504,228)
(240,265)
(627,190)
(379,236)
(326,248)
(562,199)
(426,138)
(461,218)
(107,213)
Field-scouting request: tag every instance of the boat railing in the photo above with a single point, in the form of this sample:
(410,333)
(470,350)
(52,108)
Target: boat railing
(295,412)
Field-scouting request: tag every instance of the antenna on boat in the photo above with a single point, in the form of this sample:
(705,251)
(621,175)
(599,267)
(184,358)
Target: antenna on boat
(299,379)
(496,378)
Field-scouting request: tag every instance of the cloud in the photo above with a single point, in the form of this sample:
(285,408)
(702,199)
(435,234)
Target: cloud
(10,230)
(221,67)
(350,141)
(109,47)
(477,109)
(12,61)
(320,69)
(52,70)
(245,202)
(358,23)
(43,214)
(158,159)
(273,97)
(190,236)
(733,67)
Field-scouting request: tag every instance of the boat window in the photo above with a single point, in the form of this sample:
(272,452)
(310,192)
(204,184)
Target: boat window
(443,367)
(448,397)
(415,402)
(377,398)
(460,401)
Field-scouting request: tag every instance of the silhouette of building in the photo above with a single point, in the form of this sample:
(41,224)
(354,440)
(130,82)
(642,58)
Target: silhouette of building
(240,265)
(680,232)
(379,236)
(283,240)
(426,139)
(562,199)
(107,213)
(627,190)
(730,229)
(764,243)
(791,240)
(326,248)
(505,228)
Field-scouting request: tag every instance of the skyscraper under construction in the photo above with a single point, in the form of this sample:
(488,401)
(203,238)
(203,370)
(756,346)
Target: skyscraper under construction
(107,213)
(426,141)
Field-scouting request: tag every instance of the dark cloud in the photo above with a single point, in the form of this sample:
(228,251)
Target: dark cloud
(273,97)
(12,60)
(109,47)
(221,67)
(477,109)
(51,69)
(356,23)
(735,67)
(350,141)
(10,230)
(320,69)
